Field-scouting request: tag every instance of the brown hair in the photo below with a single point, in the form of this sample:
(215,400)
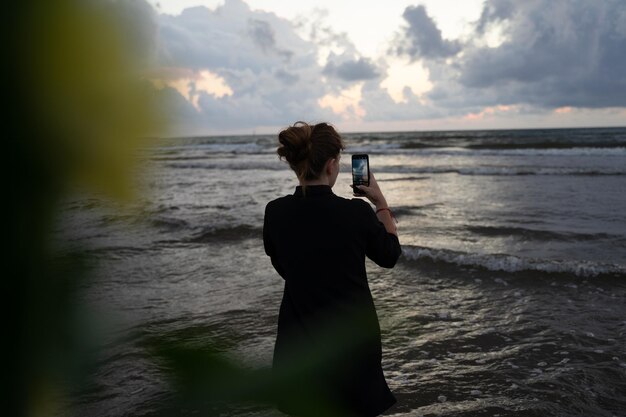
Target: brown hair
(307,148)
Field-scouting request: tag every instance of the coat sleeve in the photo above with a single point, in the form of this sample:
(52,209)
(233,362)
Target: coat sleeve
(381,246)
(270,250)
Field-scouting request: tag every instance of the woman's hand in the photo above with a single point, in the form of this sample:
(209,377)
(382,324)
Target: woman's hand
(372,193)
(375,195)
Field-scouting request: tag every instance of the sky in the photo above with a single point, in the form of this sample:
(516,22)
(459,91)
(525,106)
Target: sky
(255,66)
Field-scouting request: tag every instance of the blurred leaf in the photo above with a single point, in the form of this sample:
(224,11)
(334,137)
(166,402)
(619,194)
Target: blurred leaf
(78,115)
(205,379)
(86,89)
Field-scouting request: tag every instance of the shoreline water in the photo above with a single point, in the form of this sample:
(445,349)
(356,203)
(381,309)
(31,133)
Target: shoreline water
(513,255)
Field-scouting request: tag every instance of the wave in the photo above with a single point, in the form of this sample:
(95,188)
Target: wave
(235,165)
(534,234)
(526,139)
(403,179)
(547,145)
(226,150)
(179,158)
(535,142)
(221,234)
(582,151)
(511,263)
(401,210)
(518,145)
(494,140)
(231,165)
(501,170)
(227,145)
(168,223)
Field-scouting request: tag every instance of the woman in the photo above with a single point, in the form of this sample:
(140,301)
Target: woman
(328,348)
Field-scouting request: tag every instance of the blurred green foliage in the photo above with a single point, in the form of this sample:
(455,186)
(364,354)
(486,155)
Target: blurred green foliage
(207,379)
(76,114)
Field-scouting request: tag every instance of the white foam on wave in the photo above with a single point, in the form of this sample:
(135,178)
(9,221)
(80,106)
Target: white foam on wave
(511,263)
(521,152)
(230,165)
(500,170)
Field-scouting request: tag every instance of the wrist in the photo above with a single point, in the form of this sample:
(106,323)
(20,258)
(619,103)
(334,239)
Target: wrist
(388,210)
(382,203)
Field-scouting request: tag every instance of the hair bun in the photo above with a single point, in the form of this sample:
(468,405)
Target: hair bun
(308,148)
(295,143)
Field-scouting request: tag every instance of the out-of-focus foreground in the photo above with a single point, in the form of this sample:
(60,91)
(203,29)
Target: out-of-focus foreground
(77,111)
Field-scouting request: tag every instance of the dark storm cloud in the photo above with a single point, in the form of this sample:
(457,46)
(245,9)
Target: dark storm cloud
(554,53)
(422,38)
(495,11)
(353,70)
(575,55)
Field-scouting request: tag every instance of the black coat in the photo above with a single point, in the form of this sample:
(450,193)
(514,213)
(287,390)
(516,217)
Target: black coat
(328,347)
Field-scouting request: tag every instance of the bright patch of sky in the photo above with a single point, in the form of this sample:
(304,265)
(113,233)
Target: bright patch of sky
(369,25)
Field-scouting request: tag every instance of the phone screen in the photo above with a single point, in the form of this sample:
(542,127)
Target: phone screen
(360,171)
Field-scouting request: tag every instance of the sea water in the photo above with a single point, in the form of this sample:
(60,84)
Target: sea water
(509,298)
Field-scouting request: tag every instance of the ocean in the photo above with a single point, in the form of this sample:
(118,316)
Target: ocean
(509,298)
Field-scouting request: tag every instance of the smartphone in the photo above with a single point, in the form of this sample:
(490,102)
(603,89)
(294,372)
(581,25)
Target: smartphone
(360,171)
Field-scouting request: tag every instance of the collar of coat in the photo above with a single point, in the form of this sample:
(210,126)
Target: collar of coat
(313,190)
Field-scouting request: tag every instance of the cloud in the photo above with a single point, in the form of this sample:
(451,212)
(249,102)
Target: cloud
(495,12)
(231,36)
(378,105)
(239,68)
(422,38)
(286,77)
(554,53)
(262,34)
(314,27)
(352,70)
(234,68)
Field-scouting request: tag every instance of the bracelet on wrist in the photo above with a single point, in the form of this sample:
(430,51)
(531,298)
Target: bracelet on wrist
(390,212)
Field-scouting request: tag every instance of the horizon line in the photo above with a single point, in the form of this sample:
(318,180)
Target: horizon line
(394,131)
